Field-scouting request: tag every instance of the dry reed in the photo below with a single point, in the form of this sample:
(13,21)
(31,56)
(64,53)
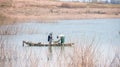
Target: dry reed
(80,56)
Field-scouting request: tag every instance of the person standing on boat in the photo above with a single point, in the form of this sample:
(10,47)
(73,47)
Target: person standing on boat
(61,39)
(50,38)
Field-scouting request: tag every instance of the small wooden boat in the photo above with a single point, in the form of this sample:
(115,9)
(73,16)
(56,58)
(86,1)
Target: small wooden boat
(40,44)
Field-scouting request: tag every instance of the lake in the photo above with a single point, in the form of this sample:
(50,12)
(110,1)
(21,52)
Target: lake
(103,34)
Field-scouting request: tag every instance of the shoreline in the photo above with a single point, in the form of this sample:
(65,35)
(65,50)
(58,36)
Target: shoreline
(53,10)
(67,17)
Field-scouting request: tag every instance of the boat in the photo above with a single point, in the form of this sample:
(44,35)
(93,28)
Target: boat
(40,44)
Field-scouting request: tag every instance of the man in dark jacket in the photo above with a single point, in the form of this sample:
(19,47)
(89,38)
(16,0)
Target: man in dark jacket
(50,38)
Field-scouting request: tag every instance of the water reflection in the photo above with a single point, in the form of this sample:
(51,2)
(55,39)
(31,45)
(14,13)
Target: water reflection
(52,51)
(49,53)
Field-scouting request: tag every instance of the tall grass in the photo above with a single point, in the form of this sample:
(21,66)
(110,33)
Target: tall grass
(80,56)
(88,56)
(13,29)
(84,57)
(6,55)
(116,59)
(9,31)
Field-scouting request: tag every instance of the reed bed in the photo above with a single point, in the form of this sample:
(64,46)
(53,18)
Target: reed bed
(79,56)
(115,62)
(7,54)
(9,31)
(17,29)
(84,57)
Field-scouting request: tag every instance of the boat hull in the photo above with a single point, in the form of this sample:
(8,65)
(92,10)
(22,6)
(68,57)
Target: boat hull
(40,44)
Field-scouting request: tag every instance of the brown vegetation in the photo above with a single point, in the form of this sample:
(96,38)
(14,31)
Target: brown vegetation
(81,56)
(84,55)
(54,10)
(5,3)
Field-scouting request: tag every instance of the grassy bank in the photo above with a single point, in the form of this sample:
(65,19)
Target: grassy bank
(55,10)
(6,3)
(54,4)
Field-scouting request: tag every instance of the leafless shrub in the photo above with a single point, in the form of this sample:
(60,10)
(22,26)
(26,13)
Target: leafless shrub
(84,56)
(2,50)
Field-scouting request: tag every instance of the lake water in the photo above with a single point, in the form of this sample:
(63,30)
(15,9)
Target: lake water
(104,33)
